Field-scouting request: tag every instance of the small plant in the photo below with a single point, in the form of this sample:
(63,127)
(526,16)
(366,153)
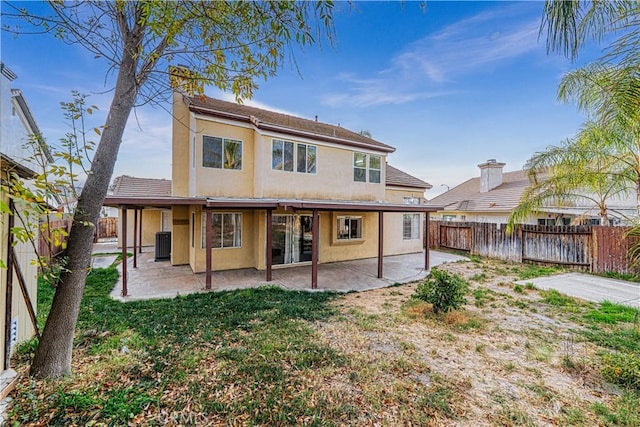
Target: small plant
(479,277)
(622,369)
(554,297)
(444,290)
(475,258)
(518,289)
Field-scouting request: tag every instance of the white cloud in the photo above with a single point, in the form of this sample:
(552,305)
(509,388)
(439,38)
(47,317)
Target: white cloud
(425,67)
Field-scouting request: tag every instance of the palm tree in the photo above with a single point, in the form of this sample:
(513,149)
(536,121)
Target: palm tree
(599,164)
(611,98)
(569,24)
(609,93)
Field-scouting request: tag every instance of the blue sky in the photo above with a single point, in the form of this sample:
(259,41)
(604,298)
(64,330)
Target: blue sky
(449,87)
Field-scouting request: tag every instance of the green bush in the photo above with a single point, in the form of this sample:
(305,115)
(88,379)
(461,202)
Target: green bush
(444,290)
(622,369)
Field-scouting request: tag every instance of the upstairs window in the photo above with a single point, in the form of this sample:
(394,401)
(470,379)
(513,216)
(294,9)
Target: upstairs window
(282,156)
(366,167)
(374,169)
(221,153)
(411,200)
(287,156)
(359,167)
(306,158)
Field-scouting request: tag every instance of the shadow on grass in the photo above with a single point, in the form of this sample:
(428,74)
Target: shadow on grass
(162,356)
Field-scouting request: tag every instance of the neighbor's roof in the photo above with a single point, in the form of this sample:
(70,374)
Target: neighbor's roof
(130,186)
(467,196)
(396,177)
(279,122)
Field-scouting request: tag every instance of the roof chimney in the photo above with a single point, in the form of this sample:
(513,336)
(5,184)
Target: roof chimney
(490,175)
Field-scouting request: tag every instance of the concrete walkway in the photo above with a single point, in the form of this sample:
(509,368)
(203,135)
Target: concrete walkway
(591,288)
(162,280)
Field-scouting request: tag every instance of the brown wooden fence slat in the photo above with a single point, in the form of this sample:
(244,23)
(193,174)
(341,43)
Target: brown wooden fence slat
(47,247)
(107,228)
(596,248)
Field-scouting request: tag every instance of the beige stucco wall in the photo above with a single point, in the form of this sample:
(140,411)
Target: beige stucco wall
(333,178)
(333,250)
(224,182)
(25,255)
(225,258)
(252,254)
(334,164)
(181,147)
(394,244)
(180,235)
(151,224)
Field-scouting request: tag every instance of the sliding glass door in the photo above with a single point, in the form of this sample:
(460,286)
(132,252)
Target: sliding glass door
(292,236)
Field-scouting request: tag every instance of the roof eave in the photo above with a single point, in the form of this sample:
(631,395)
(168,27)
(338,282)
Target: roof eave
(289,131)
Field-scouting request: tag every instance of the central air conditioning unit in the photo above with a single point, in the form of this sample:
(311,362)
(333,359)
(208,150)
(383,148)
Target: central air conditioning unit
(163,245)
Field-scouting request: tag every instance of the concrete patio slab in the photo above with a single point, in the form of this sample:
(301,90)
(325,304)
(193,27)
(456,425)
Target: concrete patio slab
(591,288)
(160,279)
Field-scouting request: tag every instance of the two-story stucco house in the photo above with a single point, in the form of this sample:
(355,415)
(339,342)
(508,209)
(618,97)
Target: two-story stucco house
(16,162)
(253,188)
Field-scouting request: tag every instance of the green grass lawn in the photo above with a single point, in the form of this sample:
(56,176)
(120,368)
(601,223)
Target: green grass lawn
(192,347)
(268,356)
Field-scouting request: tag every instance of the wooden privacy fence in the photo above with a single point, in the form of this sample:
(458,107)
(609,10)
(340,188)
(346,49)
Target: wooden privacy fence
(50,241)
(107,228)
(597,249)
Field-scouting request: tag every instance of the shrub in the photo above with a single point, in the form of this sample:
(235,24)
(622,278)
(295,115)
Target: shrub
(622,369)
(444,290)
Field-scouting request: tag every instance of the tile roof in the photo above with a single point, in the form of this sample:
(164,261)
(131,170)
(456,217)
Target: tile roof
(130,186)
(467,196)
(402,179)
(284,123)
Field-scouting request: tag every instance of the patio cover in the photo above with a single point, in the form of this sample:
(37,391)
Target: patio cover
(222,203)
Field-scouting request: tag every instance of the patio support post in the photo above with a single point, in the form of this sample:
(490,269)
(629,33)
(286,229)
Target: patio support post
(315,244)
(140,234)
(124,251)
(380,243)
(208,238)
(269,244)
(426,240)
(135,238)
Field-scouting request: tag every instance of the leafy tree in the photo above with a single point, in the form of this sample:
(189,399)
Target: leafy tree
(228,44)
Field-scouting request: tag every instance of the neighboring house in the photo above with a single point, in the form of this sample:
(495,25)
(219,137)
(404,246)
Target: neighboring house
(277,190)
(493,195)
(17,125)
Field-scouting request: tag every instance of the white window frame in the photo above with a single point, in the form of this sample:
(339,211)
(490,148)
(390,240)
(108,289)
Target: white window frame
(344,224)
(224,141)
(411,226)
(203,229)
(411,200)
(307,149)
(367,168)
(295,164)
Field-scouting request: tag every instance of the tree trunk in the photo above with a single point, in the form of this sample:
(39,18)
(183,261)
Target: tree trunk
(53,355)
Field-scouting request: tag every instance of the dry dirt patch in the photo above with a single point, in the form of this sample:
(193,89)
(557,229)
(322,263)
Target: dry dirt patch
(504,359)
